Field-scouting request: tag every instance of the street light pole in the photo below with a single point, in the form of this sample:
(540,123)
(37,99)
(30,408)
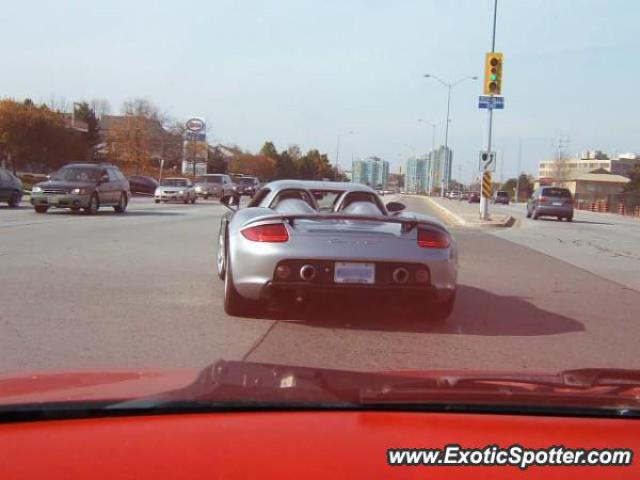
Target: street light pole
(484,202)
(449,85)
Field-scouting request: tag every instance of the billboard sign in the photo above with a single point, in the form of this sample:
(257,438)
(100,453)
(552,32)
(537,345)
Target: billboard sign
(195,124)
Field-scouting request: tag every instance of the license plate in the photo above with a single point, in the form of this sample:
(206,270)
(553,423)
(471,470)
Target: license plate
(557,204)
(346,272)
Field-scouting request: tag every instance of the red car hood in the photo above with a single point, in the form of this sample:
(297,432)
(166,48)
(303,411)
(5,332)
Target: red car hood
(89,385)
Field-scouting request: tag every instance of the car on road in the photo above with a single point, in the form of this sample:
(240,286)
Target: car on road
(501,197)
(216,185)
(474,197)
(246,185)
(10,188)
(455,195)
(551,202)
(176,189)
(299,239)
(86,186)
(143,184)
(464,196)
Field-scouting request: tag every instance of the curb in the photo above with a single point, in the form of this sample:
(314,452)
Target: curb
(509,222)
(457,219)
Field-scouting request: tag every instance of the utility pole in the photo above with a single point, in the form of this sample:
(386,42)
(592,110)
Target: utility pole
(484,200)
(519,170)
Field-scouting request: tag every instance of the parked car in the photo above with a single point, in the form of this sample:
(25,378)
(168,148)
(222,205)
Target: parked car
(246,185)
(464,196)
(143,184)
(551,202)
(454,195)
(214,185)
(284,245)
(86,186)
(501,197)
(10,188)
(474,197)
(177,189)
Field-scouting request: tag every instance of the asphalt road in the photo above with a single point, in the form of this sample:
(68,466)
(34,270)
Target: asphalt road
(139,291)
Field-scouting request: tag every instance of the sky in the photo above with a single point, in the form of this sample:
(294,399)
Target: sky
(303,72)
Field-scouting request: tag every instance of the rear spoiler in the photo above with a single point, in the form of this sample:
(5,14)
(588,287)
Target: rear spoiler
(407,223)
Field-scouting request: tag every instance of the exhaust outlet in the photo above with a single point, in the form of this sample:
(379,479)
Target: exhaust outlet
(308,273)
(400,275)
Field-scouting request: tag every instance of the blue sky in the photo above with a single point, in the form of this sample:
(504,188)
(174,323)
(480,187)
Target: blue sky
(303,71)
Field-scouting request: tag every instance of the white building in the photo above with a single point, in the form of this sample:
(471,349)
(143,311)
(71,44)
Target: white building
(372,171)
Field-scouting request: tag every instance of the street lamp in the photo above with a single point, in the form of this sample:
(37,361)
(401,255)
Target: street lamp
(433,149)
(449,86)
(350,132)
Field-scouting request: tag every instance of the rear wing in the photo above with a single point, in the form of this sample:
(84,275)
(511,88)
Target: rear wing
(407,223)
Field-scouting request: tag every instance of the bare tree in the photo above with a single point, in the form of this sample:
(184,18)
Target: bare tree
(100,106)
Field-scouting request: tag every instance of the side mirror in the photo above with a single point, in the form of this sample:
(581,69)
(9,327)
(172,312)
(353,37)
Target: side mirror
(394,207)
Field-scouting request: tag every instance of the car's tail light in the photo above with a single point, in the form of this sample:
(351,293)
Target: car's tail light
(433,238)
(275,233)
(544,199)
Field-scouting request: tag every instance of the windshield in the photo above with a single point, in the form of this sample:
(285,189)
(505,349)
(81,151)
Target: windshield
(207,179)
(245,181)
(174,182)
(77,174)
(381,188)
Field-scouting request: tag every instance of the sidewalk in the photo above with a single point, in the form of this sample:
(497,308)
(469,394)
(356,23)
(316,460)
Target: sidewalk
(462,213)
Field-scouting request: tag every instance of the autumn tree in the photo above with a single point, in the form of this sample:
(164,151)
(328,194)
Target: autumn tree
(34,138)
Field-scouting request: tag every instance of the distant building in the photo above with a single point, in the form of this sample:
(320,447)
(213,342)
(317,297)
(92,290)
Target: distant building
(372,171)
(558,170)
(417,174)
(442,159)
(596,185)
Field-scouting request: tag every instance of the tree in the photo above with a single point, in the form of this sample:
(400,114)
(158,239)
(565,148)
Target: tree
(634,184)
(285,168)
(85,113)
(510,186)
(269,150)
(34,138)
(216,163)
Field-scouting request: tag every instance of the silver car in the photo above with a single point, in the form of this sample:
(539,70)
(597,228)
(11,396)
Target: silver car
(300,238)
(176,190)
(215,185)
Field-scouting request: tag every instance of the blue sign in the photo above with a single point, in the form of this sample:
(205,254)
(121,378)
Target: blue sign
(489,102)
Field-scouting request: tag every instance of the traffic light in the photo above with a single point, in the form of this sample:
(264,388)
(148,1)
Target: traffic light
(493,74)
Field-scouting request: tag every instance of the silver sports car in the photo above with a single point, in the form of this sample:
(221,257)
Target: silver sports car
(299,238)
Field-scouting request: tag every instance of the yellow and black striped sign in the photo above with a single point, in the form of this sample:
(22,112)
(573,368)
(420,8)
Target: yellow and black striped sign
(487,189)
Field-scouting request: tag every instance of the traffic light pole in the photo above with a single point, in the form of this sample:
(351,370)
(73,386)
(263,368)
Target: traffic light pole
(484,201)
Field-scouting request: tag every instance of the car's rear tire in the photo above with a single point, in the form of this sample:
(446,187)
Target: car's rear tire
(234,303)
(528,213)
(122,204)
(570,218)
(534,214)
(221,256)
(442,310)
(41,208)
(559,218)
(157,201)
(193,200)
(93,206)
(14,200)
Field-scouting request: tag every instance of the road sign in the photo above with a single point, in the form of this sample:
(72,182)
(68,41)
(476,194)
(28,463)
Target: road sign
(195,124)
(487,187)
(487,161)
(491,102)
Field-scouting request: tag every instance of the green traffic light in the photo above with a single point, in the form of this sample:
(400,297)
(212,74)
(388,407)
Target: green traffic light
(494,78)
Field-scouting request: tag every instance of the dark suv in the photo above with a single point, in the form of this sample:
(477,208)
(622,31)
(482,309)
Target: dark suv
(10,188)
(246,185)
(86,186)
(551,202)
(501,197)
